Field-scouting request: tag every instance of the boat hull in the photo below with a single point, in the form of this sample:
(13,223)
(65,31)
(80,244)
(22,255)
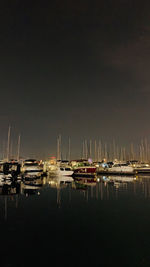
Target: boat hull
(118,169)
(116,172)
(64,173)
(85,172)
(142,170)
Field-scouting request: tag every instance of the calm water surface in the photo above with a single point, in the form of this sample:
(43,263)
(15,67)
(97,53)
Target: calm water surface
(76,223)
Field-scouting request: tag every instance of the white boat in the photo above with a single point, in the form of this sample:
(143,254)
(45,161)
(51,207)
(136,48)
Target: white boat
(121,168)
(31,169)
(58,168)
(64,171)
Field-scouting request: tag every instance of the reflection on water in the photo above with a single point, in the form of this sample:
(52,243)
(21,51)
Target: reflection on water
(90,215)
(102,187)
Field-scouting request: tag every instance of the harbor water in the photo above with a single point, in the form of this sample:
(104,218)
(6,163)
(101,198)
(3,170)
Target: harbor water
(84,222)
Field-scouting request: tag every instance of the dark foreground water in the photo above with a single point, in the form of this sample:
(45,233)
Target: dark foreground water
(103,223)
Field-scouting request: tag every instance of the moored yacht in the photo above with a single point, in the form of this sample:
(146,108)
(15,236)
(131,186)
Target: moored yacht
(64,171)
(142,168)
(31,169)
(10,169)
(121,168)
(118,169)
(85,171)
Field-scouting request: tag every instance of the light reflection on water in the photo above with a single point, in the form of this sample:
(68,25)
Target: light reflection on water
(100,188)
(95,216)
(105,187)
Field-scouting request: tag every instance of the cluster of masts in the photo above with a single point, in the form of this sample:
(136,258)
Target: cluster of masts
(7,153)
(97,151)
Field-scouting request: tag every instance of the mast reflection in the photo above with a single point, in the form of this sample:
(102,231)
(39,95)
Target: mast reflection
(59,183)
(9,191)
(100,188)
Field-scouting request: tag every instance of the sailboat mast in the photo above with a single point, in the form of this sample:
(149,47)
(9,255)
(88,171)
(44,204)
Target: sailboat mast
(86,150)
(69,151)
(8,143)
(18,151)
(90,148)
(58,152)
(59,147)
(95,149)
(83,150)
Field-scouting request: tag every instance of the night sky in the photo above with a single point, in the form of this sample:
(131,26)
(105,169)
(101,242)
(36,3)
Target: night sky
(75,68)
